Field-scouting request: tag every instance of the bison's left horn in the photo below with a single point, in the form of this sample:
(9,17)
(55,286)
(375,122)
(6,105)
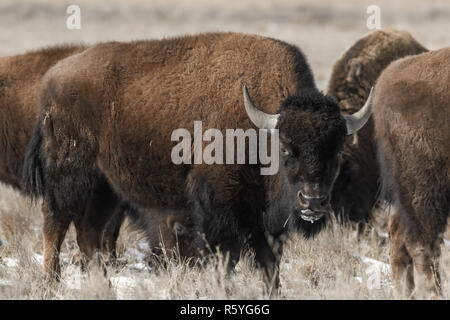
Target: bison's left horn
(261,119)
(357,120)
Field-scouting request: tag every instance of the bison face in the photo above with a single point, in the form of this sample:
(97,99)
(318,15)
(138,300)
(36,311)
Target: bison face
(312,135)
(174,236)
(310,159)
(182,236)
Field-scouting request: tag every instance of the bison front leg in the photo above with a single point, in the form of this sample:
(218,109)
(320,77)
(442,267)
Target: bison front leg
(268,252)
(54,231)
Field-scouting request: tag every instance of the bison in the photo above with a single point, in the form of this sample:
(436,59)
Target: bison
(356,189)
(412,114)
(106,116)
(20,84)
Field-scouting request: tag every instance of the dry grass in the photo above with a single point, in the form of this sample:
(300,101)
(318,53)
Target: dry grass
(333,266)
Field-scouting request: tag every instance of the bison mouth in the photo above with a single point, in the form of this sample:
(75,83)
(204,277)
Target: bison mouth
(311,216)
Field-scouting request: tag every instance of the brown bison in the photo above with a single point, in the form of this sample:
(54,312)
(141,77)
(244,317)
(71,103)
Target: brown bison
(107,116)
(20,84)
(412,115)
(356,188)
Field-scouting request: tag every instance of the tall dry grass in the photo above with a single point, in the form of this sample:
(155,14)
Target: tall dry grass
(334,265)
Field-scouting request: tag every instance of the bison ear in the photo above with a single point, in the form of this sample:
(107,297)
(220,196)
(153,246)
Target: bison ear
(357,120)
(175,226)
(179,229)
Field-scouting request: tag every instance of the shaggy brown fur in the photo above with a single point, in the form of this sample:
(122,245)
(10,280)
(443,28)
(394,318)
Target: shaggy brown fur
(20,85)
(356,188)
(107,114)
(412,114)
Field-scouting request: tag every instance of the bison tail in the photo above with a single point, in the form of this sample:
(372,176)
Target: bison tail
(33,175)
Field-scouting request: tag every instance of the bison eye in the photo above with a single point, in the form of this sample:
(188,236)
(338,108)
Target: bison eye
(284,151)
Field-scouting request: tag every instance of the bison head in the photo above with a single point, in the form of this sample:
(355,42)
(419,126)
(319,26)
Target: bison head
(173,236)
(312,134)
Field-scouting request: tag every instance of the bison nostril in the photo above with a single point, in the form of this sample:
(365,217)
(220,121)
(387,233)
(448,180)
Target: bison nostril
(301,198)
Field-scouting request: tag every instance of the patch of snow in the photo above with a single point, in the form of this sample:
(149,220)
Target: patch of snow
(447,243)
(36,229)
(378,273)
(10,262)
(383,267)
(140,266)
(4,282)
(4,243)
(143,245)
(39,259)
(123,285)
(383,235)
(73,277)
(134,254)
(287,266)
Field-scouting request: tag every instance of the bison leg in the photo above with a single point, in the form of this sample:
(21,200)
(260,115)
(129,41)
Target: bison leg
(400,260)
(54,231)
(101,209)
(268,252)
(112,230)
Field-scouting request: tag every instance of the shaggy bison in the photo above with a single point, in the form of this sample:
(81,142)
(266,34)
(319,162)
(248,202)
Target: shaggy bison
(107,116)
(412,115)
(20,85)
(356,188)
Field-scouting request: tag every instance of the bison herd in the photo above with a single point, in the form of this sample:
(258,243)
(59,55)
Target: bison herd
(88,130)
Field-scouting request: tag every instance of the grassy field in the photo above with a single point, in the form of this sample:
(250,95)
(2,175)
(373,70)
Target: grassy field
(335,265)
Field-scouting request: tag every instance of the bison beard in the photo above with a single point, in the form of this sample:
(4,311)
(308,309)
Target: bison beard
(106,121)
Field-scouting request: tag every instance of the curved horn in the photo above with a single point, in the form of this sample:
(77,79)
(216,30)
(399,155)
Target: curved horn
(261,119)
(357,120)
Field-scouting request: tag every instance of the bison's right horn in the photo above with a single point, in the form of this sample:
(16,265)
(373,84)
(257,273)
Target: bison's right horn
(357,120)
(261,119)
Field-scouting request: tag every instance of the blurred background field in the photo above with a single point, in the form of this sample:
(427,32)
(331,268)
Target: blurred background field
(335,265)
(321,28)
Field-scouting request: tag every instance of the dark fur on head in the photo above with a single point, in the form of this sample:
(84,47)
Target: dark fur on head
(314,132)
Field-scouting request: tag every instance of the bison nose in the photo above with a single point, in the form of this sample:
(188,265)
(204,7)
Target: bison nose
(312,202)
